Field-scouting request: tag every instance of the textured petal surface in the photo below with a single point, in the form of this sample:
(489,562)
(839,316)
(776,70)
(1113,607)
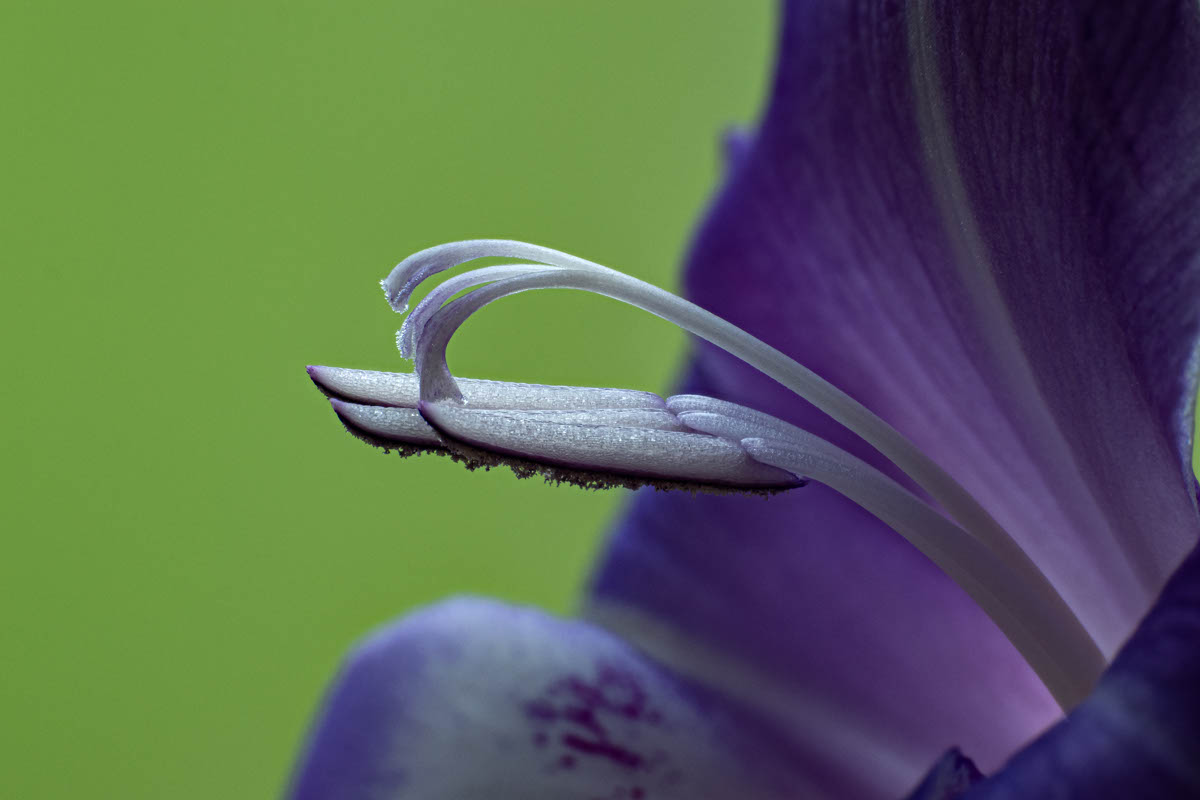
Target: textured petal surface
(982,224)
(1138,735)
(473,699)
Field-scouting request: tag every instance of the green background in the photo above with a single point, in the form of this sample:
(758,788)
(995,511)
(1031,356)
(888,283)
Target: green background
(199,199)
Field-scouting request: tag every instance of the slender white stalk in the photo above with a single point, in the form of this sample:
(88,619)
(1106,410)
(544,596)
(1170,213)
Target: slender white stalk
(438,385)
(412,271)
(807,384)
(410,331)
(1031,614)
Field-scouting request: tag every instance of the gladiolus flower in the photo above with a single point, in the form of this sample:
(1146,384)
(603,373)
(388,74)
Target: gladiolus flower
(948,300)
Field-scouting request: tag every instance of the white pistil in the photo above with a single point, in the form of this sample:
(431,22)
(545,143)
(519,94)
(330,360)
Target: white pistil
(977,552)
(412,271)
(438,384)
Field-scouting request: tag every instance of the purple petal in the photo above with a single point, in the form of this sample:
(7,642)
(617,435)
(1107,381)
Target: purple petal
(982,224)
(473,699)
(1138,735)
(1022,305)
(949,779)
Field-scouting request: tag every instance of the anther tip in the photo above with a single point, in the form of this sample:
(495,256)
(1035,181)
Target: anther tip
(320,376)
(345,413)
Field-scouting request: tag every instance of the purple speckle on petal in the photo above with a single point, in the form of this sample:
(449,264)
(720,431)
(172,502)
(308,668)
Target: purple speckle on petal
(599,721)
(540,710)
(613,752)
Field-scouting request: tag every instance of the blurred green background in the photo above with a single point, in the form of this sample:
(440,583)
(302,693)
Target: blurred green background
(199,200)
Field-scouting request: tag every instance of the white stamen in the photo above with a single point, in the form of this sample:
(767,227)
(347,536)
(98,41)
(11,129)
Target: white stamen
(641,418)
(649,452)
(405,425)
(598,438)
(438,384)
(764,424)
(1070,663)
(402,390)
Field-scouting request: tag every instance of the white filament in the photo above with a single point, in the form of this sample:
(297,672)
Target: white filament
(412,271)
(415,322)
(1075,655)
(435,376)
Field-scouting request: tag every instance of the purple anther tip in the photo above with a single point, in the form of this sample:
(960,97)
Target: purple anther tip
(315,374)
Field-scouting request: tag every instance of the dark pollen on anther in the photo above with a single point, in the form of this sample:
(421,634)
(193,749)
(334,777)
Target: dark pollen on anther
(474,458)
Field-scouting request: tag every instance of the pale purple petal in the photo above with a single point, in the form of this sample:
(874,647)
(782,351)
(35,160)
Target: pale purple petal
(471,699)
